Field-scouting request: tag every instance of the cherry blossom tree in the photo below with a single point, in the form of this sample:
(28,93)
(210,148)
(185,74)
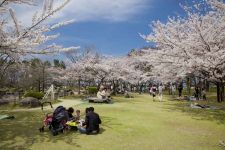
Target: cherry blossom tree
(194,44)
(18,40)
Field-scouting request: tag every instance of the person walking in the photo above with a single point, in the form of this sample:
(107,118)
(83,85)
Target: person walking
(173,89)
(160,89)
(180,89)
(153,91)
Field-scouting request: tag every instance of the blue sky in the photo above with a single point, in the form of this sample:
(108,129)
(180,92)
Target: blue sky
(118,37)
(112,27)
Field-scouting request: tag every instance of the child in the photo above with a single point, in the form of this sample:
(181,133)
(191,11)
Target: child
(77,118)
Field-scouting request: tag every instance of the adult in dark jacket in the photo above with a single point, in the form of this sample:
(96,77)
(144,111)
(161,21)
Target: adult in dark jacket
(180,89)
(92,121)
(197,93)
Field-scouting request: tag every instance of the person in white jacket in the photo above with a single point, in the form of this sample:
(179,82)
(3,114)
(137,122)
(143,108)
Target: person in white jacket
(101,94)
(160,89)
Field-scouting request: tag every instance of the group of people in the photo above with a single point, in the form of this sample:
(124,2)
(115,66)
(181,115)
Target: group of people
(88,125)
(63,119)
(173,88)
(198,92)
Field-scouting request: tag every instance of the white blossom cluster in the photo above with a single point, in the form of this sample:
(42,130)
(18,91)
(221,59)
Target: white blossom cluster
(18,40)
(194,44)
(191,45)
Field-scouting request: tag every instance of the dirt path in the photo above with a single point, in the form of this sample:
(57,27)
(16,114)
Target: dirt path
(64,102)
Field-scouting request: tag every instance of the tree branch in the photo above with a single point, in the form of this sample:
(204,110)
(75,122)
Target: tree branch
(2,3)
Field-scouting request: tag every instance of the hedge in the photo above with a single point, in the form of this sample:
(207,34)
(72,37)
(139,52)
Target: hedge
(92,90)
(38,95)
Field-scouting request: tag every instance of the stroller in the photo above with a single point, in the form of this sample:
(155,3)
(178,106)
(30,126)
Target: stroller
(56,122)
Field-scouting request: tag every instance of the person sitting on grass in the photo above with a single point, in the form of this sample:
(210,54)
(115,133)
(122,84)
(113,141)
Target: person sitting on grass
(101,94)
(77,117)
(70,119)
(70,111)
(108,92)
(81,122)
(92,121)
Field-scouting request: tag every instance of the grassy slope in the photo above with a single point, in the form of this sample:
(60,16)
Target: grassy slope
(128,124)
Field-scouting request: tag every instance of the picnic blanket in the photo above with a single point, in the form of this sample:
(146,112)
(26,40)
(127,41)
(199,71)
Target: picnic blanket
(198,106)
(72,124)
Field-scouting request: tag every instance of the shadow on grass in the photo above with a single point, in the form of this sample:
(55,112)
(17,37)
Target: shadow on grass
(198,114)
(124,101)
(121,100)
(109,122)
(22,133)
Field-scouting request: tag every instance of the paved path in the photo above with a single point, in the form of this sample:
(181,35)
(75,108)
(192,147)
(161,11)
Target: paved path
(64,102)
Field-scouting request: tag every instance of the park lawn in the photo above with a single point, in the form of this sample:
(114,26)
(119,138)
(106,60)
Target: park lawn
(16,105)
(127,124)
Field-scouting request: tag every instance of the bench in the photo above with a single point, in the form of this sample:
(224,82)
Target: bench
(97,100)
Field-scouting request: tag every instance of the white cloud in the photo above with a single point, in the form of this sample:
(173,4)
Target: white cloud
(91,10)
(111,10)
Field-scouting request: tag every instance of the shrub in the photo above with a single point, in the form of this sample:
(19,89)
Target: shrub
(38,95)
(92,90)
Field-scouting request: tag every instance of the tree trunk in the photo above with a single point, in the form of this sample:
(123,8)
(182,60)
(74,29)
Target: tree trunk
(79,86)
(169,88)
(220,92)
(116,86)
(113,88)
(39,85)
(43,82)
(206,85)
(200,87)
(195,82)
(188,82)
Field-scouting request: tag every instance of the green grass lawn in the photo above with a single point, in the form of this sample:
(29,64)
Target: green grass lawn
(127,124)
(16,105)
